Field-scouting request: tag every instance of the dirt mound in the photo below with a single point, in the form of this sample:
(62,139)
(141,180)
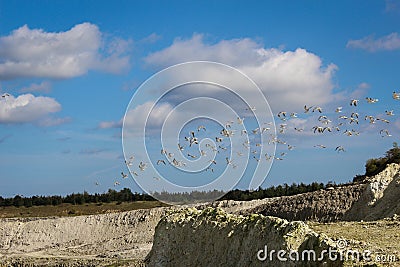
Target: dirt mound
(212,237)
(120,236)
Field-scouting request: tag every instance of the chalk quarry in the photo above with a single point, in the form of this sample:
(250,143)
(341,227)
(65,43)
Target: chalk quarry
(224,233)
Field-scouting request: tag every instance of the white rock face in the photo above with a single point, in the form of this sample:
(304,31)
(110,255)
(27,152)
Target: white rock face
(212,237)
(378,183)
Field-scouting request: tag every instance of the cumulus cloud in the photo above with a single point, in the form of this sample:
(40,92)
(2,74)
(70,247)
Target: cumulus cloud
(36,53)
(389,42)
(27,108)
(288,79)
(43,87)
(137,116)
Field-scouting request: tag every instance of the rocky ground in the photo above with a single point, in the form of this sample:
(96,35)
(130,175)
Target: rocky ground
(126,238)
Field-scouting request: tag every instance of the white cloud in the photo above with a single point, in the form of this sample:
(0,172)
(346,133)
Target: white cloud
(36,53)
(27,108)
(360,91)
(47,122)
(288,79)
(137,117)
(110,124)
(43,87)
(369,43)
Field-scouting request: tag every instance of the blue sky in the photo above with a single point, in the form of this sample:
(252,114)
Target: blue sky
(71,69)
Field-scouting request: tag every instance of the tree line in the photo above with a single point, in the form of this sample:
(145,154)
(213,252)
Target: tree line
(376,165)
(126,195)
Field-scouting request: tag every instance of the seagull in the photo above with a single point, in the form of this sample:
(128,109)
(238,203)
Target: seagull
(255,131)
(293,115)
(282,115)
(299,129)
(320,146)
(251,108)
(354,115)
(142,166)
(175,162)
(134,173)
(193,140)
(218,139)
(354,102)
(96,183)
(318,129)
(383,120)
(348,133)
(353,120)
(192,156)
(371,100)
(223,148)
(243,132)
(290,147)
(5,95)
(201,127)
(268,157)
(319,109)
(339,148)
(202,153)
(396,96)
(307,109)
(161,161)
(386,132)
(124,176)
(213,161)
(228,161)
(371,119)
(338,109)
(322,117)
(117,183)
(327,121)
(170,155)
(239,154)
(178,163)
(228,124)
(264,129)
(389,112)
(239,120)
(163,152)
(226,133)
(181,148)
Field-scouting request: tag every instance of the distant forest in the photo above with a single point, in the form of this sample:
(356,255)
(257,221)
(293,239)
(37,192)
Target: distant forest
(126,195)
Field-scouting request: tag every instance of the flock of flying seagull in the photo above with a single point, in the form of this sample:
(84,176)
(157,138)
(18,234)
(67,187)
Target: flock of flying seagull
(323,125)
